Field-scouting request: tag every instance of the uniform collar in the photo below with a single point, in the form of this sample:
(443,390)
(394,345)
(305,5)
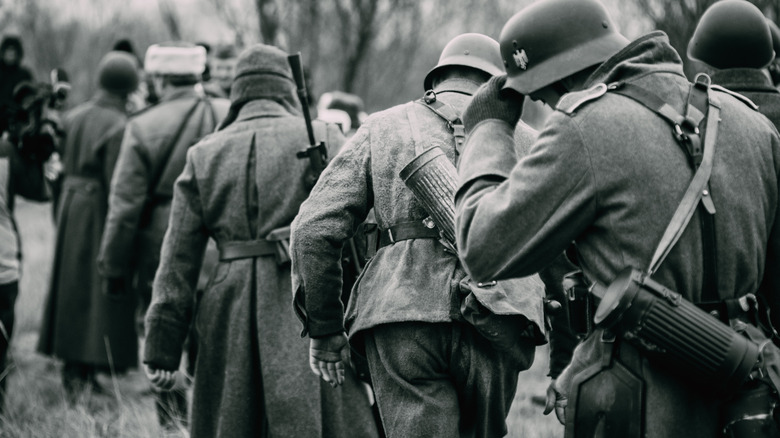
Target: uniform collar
(457,85)
(744,79)
(648,54)
(262,108)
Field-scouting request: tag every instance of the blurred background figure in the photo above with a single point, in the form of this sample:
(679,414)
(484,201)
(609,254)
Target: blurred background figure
(774,66)
(223,68)
(207,71)
(733,44)
(12,73)
(89,331)
(334,104)
(151,157)
(28,140)
(144,95)
(60,85)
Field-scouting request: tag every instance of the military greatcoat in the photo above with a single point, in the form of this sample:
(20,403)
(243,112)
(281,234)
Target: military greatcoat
(80,323)
(251,376)
(138,213)
(755,85)
(609,176)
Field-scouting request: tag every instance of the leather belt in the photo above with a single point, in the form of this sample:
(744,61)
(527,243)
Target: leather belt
(246,249)
(408,230)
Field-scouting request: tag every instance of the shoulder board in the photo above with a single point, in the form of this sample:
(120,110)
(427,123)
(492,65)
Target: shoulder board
(741,97)
(569,102)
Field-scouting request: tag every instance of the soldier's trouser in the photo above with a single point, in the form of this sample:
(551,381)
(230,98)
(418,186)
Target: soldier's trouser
(8,294)
(439,380)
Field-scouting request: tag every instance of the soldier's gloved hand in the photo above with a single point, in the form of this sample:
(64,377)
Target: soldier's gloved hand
(490,102)
(325,358)
(115,287)
(556,401)
(162,380)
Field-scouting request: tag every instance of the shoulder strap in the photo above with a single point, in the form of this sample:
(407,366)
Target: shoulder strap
(686,132)
(449,115)
(170,146)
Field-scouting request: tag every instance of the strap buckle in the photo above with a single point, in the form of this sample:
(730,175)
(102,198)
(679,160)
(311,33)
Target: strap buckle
(429,97)
(690,128)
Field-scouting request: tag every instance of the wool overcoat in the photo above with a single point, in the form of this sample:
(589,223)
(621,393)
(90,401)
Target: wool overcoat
(80,323)
(252,369)
(609,176)
(755,85)
(138,213)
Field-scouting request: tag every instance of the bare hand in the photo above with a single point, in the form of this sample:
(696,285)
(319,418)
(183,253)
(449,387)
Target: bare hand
(556,401)
(162,380)
(325,358)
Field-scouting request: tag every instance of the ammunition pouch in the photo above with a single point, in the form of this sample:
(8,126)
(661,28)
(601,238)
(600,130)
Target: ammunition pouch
(677,336)
(580,302)
(608,399)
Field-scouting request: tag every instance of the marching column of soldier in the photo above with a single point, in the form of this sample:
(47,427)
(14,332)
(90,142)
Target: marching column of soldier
(429,252)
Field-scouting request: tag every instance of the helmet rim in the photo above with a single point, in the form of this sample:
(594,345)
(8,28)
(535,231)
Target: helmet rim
(466,61)
(566,63)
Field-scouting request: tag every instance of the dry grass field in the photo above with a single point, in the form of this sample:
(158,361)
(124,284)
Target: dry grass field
(36,404)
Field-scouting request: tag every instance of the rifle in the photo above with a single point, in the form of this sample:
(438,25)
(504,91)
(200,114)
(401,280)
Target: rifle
(317,154)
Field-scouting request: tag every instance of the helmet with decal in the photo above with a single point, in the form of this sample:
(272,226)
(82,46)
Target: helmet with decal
(552,39)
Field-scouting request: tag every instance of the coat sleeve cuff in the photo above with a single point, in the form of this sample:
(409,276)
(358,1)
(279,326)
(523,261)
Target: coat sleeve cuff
(163,344)
(325,328)
(489,151)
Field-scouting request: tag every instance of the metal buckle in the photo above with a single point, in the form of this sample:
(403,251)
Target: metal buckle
(488,284)
(429,97)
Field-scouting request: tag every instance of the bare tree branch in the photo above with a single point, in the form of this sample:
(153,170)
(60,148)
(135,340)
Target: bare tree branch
(170,18)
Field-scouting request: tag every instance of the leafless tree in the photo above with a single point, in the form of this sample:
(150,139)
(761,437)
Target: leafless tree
(170,18)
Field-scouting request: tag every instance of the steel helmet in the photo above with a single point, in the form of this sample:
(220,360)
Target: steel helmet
(732,34)
(775,31)
(553,39)
(468,50)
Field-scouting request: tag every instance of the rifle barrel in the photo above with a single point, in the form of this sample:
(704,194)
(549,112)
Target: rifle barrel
(297,70)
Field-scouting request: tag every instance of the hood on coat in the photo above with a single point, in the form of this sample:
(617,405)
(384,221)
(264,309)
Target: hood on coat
(262,72)
(648,54)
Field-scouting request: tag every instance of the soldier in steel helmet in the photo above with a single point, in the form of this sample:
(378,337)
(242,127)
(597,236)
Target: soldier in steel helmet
(81,326)
(433,375)
(774,66)
(607,172)
(733,43)
(152,155)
